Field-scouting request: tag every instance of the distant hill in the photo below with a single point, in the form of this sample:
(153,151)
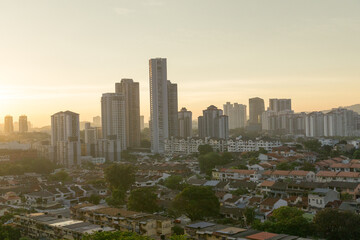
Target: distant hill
(355,108)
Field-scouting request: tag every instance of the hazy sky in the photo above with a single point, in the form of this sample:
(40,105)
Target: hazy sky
(63,54)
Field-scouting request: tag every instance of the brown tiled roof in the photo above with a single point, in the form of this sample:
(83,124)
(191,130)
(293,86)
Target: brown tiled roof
(261,236)
(281,172)
(267,183)
(299,173)
(326,174)
(340,165)
(348,174)
(269,201)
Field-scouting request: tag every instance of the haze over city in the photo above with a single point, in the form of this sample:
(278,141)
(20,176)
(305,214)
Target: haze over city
(58,55)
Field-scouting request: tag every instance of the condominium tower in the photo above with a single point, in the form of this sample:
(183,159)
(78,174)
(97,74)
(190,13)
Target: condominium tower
(23,124)
(236,113)
(185,123)
(65,138)
(163,105)
(8,124)
(130,90)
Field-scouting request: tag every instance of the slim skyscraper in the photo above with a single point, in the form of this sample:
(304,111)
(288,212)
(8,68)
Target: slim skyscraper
(65,138)
(159,118)
(185,123)
(130,91)
(23,124)
(172,109)
(8,124)
(256,108)
(113,117)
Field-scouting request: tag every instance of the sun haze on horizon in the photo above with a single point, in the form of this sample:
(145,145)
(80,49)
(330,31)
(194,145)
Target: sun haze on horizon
(62,55)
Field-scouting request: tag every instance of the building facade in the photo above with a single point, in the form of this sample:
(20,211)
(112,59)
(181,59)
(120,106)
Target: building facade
(65,138)
(237,115)
(8,124)
(213,123)
(256,108)
(185,123)
(23,124)
(113,116)
(159,116)
(130,90)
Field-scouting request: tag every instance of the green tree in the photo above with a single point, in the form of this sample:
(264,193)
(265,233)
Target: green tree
(94,199)
(174,182)
(61,176)
(197,203)
(117,198)
(120,176)
(333,224)
(286,220)
(313,145)
(127,156)
(208,161)
(249,215)
(9,233)
(143,200)
(204,149)
(356,154)
(308,167)
(177,230)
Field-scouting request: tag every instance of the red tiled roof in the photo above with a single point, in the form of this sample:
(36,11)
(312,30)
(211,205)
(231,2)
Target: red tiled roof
(267,183)
(261,236)
(340,165)
(326,174)
(299,173)
(348,174)
(281,172)
(269,201)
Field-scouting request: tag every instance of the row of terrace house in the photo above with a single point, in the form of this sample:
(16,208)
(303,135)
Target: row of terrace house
(142,223)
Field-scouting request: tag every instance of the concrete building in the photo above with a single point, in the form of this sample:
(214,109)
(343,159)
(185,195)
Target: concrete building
(321,196)
(279,105)
(130,90)
(172,109)
(8,124)
(185,123)
(96,121)
(314,124)
(113,116)
(142,123)
(213,123)
(237,115)
(65,138)
(92,134)
(45,226)
(256,108)
(159,117)
(23,124)
(340,122)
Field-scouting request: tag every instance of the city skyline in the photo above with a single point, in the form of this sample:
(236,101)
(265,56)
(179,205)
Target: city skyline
(304,51)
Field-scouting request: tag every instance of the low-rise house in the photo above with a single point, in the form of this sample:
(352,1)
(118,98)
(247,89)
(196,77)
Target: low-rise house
(43,226)
(271,204)
(265,186)
(321,196)
(10,198)
(142,223)
(42,197)
(227,174)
